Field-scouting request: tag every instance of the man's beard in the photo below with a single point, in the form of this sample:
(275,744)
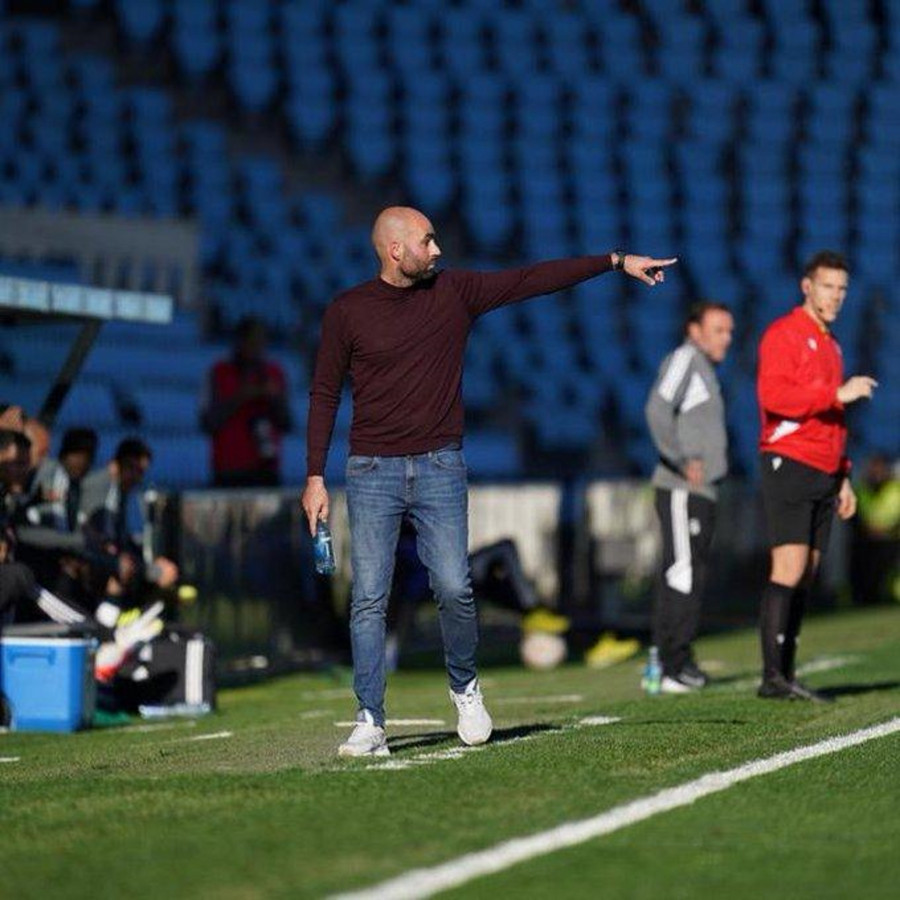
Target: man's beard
(420,273)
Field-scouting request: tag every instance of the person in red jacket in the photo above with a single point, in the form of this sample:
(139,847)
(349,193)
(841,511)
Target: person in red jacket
(802,400)
(245,411)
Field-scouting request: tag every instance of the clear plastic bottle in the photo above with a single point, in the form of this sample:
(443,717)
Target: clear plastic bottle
(652,677)
(324,549)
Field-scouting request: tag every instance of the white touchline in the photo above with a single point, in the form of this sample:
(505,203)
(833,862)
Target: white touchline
(397,722)
(599,720)
(158,726)
(553,698)
(420,883)
(217,735)
(424,759)
(9,759)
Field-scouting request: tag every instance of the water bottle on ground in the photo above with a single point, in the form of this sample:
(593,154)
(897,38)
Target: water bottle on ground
(652,677)
(324,549)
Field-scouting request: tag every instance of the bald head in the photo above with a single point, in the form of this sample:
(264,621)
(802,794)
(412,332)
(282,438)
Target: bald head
(405,242)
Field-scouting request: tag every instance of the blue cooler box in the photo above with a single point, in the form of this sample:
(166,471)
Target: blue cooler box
(47,679)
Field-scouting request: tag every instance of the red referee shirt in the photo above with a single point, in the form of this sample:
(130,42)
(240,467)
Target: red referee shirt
(800,370)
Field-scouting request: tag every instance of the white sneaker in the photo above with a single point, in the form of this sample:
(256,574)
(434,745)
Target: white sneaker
(366,739)
(474,725)
(670,685)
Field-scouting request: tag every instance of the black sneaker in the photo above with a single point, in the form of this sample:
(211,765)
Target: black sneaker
(693,675)
(776,688)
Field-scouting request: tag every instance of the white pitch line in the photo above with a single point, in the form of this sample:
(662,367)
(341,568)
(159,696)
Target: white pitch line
(425,882)
(315,713)
(826,664)
(558,698)
(157,726)
(424,759)
(10,759)
(215,736)
(349,724)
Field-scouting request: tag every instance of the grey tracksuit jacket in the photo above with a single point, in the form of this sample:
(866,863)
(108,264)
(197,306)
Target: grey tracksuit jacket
(686,417)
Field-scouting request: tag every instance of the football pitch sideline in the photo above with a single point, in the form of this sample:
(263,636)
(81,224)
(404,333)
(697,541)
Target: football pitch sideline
(588,789)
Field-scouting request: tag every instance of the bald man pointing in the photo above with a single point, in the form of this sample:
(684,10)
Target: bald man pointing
(401,337)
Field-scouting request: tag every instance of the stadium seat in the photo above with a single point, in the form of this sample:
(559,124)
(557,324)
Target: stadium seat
(141,20)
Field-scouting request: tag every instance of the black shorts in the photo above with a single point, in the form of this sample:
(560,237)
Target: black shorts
(799,501)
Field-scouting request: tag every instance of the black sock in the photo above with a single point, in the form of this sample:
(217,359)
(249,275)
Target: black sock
(773,617)
(792,631)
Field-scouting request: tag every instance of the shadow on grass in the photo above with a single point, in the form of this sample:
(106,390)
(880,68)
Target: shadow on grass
(403,743)
(725,680)
(849,690)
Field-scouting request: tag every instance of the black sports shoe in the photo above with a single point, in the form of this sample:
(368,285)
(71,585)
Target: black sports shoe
(776,688)
(693,675)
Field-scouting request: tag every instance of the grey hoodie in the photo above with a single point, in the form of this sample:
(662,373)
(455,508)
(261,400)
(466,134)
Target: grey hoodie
(686,417)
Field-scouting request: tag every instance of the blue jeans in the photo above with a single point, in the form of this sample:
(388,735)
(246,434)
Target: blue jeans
(429,489)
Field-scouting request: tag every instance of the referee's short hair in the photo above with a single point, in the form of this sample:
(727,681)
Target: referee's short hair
(699,309)
(826,259)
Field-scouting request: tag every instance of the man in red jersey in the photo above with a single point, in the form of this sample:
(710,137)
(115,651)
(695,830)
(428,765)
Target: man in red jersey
(245,410)
(401,337)
(802,398)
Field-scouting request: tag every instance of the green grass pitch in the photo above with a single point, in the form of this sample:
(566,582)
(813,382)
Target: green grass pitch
(252,802)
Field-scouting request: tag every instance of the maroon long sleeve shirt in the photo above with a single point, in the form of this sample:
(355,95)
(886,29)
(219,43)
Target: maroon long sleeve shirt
(403,349)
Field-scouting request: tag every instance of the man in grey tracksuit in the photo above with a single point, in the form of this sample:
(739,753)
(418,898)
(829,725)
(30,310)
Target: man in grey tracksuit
(686,417)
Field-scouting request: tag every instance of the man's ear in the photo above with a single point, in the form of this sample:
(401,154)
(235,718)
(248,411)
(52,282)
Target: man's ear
(396,250)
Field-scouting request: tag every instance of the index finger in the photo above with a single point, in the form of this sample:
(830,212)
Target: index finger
(660,263)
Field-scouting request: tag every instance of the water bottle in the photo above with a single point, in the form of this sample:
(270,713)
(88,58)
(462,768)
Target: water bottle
(324,549)
(652,677)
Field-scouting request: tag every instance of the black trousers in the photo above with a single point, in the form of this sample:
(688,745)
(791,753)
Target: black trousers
(687,522)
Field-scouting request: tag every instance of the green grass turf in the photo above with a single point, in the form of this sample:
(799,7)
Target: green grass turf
(271,812)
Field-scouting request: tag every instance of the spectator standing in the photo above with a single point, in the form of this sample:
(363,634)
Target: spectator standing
(245,411)
(875,555)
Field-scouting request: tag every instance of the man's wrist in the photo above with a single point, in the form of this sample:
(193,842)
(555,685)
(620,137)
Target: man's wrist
(617,258)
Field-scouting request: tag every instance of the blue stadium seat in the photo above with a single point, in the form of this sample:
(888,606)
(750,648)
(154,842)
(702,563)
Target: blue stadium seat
(180,461)
(141,20)
(712,109)
(567,38)
(681,50)
(795,59)
(490,224)
(648,110)
(197,51)
(739,51)
(253,83)
(621,43)
(88,402)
